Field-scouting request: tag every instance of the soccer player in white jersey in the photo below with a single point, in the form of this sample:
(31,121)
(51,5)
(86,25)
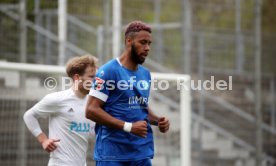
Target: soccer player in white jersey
(118,103)
(69,130)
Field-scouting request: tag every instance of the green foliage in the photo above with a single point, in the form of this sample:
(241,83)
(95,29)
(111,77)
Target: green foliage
(268,16)
(210,16)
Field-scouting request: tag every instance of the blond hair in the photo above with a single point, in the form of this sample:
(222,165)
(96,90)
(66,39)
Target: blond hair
(77,65)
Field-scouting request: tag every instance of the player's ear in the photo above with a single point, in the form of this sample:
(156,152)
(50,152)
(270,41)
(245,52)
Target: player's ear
(129,41)
(76,77)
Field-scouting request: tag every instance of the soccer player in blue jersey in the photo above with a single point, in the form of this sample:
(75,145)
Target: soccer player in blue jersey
(118,103)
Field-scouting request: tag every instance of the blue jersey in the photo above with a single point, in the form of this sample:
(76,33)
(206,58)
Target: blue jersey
(126,95)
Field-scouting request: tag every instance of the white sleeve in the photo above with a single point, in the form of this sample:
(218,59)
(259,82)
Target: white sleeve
(43,109)
(32,122)
(98,94)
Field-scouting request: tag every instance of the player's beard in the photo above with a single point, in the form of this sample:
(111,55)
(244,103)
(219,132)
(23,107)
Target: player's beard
(84,88)
(85,91)
(134,55)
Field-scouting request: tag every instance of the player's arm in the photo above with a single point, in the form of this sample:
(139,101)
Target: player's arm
(162,122)
(94,111)
(42,109)
(32,123)
(153,118)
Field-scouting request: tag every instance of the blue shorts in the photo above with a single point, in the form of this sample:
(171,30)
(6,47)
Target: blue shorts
(144,162)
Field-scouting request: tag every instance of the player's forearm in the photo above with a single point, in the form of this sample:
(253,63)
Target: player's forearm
(41,137)
(153,119)
(99,116)
(32,122)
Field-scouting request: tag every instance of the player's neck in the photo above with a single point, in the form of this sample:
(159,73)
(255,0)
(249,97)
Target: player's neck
(78,93)
(127,62)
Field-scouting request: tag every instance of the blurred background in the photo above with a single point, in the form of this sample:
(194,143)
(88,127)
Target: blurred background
(200,38)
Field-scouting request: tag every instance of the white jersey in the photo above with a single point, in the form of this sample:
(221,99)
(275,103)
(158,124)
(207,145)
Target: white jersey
(67,122)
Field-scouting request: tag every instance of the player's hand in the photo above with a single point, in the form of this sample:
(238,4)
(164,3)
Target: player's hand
(163,124)
(139,128)
(50,145)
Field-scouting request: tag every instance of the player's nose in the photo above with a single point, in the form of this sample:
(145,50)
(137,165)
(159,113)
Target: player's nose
(147,47)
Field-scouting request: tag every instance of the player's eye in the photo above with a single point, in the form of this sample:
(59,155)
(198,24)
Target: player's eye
(143,42)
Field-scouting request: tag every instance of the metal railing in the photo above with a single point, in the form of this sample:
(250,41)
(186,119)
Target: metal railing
(215,127)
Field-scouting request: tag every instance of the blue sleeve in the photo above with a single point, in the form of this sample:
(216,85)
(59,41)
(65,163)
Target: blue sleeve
(103,83)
